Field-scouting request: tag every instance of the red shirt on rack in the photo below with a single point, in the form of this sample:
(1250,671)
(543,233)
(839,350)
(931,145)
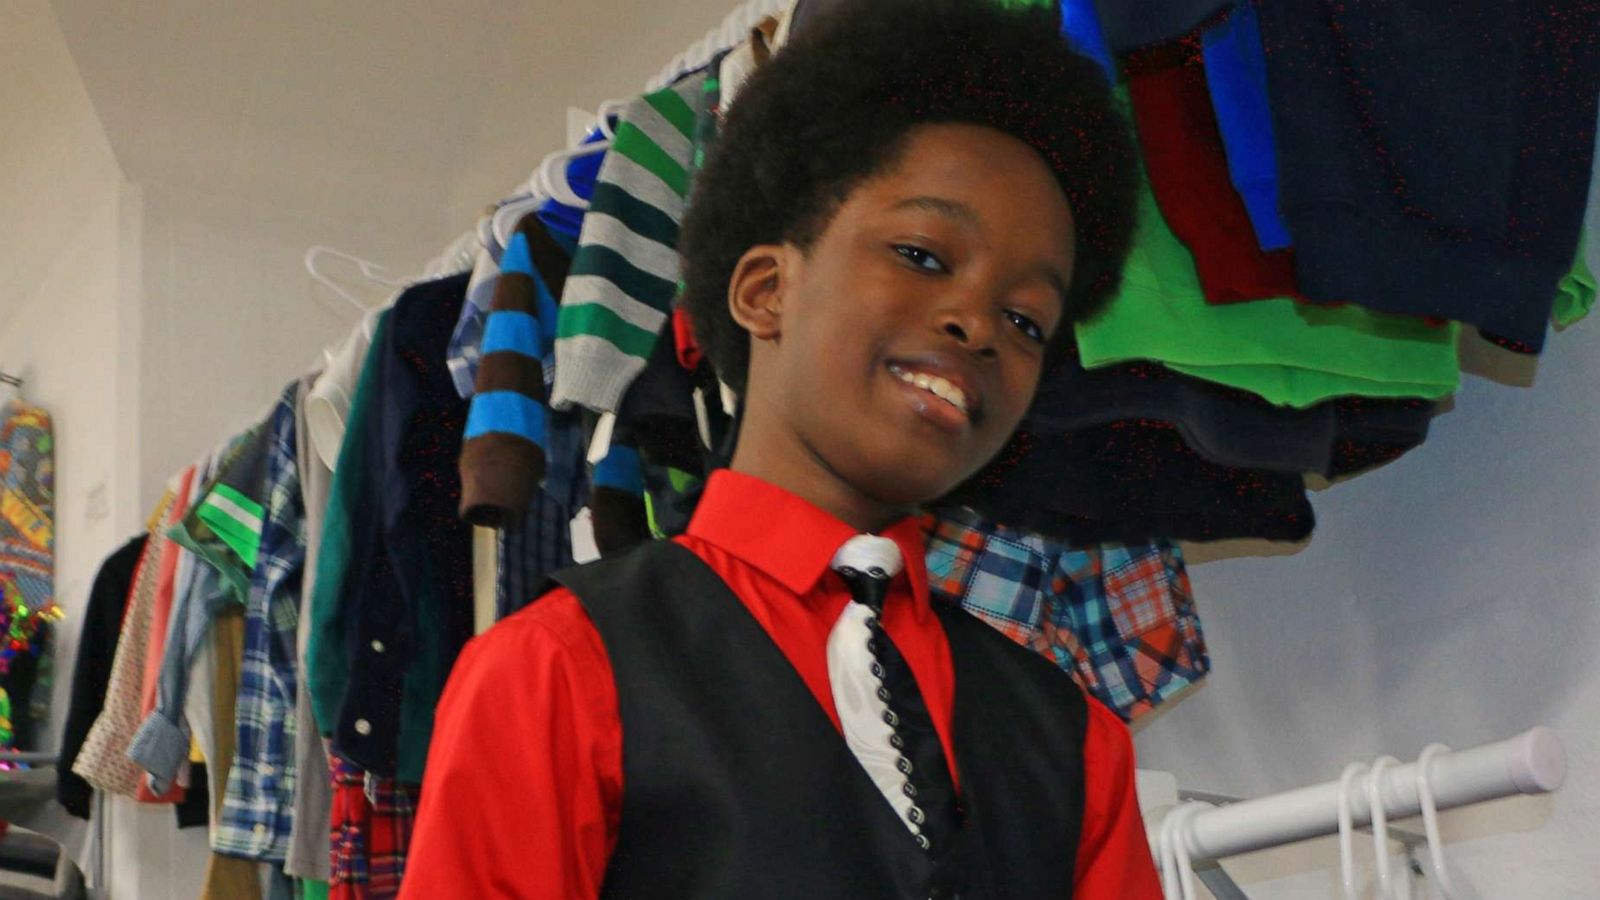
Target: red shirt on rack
(523,789)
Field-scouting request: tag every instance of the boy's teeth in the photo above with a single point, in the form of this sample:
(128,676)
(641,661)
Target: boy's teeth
(934,385)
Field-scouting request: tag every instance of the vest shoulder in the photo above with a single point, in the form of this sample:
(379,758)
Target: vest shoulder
(965,629)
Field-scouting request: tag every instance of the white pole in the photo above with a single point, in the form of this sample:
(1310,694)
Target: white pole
(1533,762)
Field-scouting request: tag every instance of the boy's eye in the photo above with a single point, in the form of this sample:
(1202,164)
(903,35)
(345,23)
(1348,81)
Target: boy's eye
(1026,325)
(920,258)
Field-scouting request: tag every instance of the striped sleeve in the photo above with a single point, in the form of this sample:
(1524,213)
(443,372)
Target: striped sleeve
(502,456)
(625,273)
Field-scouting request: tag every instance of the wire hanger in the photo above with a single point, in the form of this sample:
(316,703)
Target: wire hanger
(369,270)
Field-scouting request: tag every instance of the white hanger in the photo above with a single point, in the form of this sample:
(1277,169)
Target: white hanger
(1380,824)
(548,182)
(1177,869)
(369,270)
(1347,871)
(1448,887)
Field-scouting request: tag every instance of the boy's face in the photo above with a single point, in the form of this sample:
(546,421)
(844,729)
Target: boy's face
(897,355)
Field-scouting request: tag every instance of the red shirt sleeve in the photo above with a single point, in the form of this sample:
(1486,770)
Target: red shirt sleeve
(524,778)
(1114,860)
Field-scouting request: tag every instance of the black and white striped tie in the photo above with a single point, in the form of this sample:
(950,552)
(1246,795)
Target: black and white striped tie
(886,722)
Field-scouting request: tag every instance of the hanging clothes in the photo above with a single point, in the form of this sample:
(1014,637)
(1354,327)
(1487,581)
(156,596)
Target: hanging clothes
(1228,426)
(91,669)
(257,804)
(102,761)
(1188,170)
(1129,24)
(307,855)
(1120,619)
(392,631)
(1428,153)
(162,741)
(1132,482)
(1236,76)
(1288,353)
(625,271)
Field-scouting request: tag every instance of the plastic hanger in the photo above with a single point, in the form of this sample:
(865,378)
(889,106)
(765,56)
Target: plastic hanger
(548,182)
(1177,868)
(1448,886)
(1380,824)
(1347,869)
(369,270)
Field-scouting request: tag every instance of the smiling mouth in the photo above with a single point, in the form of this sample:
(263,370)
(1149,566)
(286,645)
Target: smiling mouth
(935,385)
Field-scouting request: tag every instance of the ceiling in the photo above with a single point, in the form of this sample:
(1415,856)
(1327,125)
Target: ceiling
(355,109)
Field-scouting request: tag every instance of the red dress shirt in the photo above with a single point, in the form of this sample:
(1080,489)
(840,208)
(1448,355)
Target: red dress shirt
(523,789)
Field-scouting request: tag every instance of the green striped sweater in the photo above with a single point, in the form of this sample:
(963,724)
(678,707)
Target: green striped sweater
(625,273)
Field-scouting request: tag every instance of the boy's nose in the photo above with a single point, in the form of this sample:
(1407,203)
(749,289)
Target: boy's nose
(971,330)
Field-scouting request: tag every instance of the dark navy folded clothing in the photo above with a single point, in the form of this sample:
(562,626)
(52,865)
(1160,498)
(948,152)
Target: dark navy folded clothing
(1228,426)
(1432,157)
(1130,482)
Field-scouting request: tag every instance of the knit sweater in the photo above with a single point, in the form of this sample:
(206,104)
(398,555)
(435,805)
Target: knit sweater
(626,270)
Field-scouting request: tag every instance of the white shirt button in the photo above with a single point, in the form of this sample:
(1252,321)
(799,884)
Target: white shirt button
(377,646)
(363,727)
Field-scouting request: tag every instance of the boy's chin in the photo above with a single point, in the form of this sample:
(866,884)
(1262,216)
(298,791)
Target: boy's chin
(911,487)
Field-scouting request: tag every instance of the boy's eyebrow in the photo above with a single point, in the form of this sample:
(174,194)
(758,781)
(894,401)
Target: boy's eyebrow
(967,215)
(942,206)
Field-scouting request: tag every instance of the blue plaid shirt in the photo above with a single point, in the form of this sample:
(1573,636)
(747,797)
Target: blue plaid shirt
(258,803)
(1119,618)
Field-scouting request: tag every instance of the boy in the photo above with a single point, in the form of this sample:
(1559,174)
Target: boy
(905,211)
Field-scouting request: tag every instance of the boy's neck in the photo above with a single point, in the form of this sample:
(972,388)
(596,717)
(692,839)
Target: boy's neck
(800,471)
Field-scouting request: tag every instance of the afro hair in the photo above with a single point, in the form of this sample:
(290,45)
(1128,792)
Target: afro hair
(833,108)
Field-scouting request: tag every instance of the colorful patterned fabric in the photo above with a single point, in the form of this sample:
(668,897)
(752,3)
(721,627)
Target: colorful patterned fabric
(1119,618)
(257,808)
(103,760)
(27,501)
(370,828)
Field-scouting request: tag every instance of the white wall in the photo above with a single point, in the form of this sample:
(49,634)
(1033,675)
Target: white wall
(1453,596)
(231,315)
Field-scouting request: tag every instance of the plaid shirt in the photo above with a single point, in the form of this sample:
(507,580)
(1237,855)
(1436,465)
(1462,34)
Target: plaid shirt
(258,803)
(370,832)
(1119,618)
(466,341)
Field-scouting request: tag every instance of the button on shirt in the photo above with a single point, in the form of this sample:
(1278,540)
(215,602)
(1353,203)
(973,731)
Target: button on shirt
(258,802)
(524,785)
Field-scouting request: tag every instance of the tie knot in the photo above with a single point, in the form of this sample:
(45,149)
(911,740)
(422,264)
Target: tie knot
(867,562)
(869,555)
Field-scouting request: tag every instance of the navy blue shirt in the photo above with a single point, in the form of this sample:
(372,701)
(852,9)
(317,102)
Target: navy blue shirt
(409,594)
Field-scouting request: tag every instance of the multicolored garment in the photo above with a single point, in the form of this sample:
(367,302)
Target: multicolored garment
(27,534)
(27,501)
(258,803)
(1119,618)
(371,826)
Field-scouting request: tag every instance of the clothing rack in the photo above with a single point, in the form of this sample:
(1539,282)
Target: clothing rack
(1533,762)
(734,28)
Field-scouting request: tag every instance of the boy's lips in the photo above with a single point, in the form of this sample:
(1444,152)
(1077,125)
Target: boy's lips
(952,399)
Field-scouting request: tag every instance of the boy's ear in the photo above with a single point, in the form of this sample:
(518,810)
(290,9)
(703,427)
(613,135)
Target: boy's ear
(755,291)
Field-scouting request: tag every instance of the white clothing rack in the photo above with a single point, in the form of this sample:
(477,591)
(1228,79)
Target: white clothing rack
(735,28)
(1533,762)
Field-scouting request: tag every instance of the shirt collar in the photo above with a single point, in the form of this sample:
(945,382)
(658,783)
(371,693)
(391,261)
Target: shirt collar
(788,538)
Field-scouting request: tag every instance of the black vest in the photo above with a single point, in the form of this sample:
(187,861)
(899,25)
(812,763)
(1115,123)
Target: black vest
(737,785)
